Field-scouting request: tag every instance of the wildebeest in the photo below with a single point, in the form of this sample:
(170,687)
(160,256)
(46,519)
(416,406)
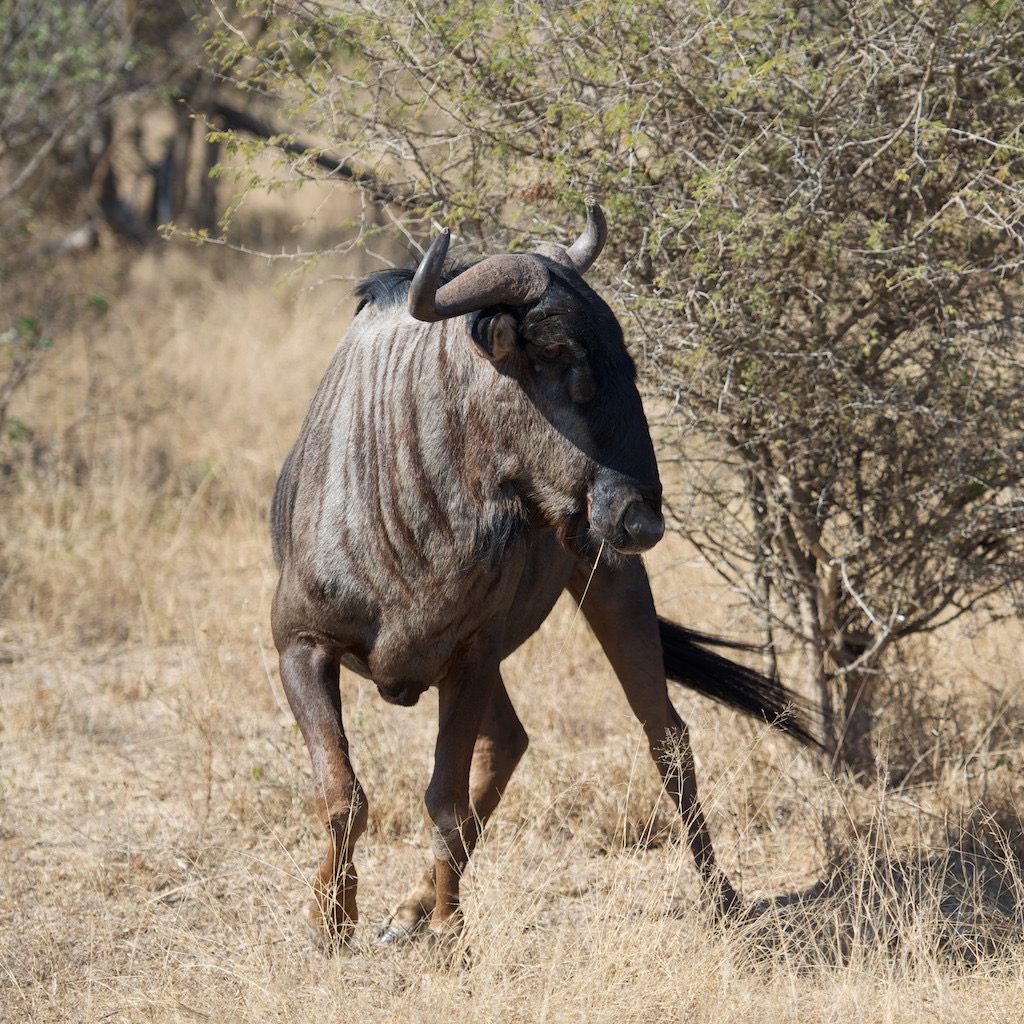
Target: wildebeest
(476,446)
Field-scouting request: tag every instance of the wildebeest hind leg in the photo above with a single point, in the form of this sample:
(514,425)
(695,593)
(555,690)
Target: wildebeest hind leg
(500,745)
(620,609)
(310,680)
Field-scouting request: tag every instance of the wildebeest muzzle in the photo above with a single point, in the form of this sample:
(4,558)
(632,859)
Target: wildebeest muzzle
(626,515)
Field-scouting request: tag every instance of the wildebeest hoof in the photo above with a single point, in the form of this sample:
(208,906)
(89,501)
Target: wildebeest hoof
(448,948)
(328,944)
(726,905)
(328,937)
(721,900)
(392,934)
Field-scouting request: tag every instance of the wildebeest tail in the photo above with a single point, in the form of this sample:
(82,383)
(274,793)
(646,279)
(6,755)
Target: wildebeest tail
(689,662)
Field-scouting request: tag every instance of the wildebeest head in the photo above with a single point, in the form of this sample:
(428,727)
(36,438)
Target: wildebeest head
(535,319)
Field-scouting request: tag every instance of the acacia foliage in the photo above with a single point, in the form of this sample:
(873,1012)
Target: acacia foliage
(818,239)
(60,66)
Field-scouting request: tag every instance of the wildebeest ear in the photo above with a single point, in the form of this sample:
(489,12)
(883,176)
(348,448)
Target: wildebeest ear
(496,337)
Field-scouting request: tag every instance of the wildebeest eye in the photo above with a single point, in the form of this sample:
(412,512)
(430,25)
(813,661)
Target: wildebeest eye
(549,353)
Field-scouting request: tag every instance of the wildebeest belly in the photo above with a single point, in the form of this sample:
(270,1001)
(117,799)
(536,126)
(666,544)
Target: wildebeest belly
(445,636)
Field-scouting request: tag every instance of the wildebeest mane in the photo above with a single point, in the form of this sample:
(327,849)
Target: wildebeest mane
(390,288)
(384,288)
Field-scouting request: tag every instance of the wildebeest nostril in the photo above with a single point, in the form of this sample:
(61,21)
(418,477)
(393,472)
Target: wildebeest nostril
(643,524)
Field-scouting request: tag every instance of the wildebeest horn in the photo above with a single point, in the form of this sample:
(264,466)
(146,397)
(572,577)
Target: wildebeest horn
(588,246)
(510,280)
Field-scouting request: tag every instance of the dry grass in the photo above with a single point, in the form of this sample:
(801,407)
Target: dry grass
(154,833)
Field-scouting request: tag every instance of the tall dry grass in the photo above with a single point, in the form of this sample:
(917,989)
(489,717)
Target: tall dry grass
(155,835)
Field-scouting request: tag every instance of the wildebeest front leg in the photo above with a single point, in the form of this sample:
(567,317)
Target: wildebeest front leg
(310,680)
(499,746)
(462,705)
(620,609)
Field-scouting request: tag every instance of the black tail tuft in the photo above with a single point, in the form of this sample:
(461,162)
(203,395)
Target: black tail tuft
(689,663)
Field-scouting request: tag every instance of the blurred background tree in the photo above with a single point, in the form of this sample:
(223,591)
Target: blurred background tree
(79,84)
(105,109)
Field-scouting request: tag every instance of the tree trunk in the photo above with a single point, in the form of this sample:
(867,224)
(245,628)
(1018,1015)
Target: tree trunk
(857,686)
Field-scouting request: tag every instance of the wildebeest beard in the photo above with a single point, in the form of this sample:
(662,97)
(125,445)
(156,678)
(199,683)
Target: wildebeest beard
(576,535)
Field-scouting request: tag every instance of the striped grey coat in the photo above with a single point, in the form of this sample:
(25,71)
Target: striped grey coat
(477,445)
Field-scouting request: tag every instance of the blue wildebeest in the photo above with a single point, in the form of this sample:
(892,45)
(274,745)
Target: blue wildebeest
(476,445)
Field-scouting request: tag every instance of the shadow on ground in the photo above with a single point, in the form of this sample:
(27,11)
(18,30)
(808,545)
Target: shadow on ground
(962,906)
